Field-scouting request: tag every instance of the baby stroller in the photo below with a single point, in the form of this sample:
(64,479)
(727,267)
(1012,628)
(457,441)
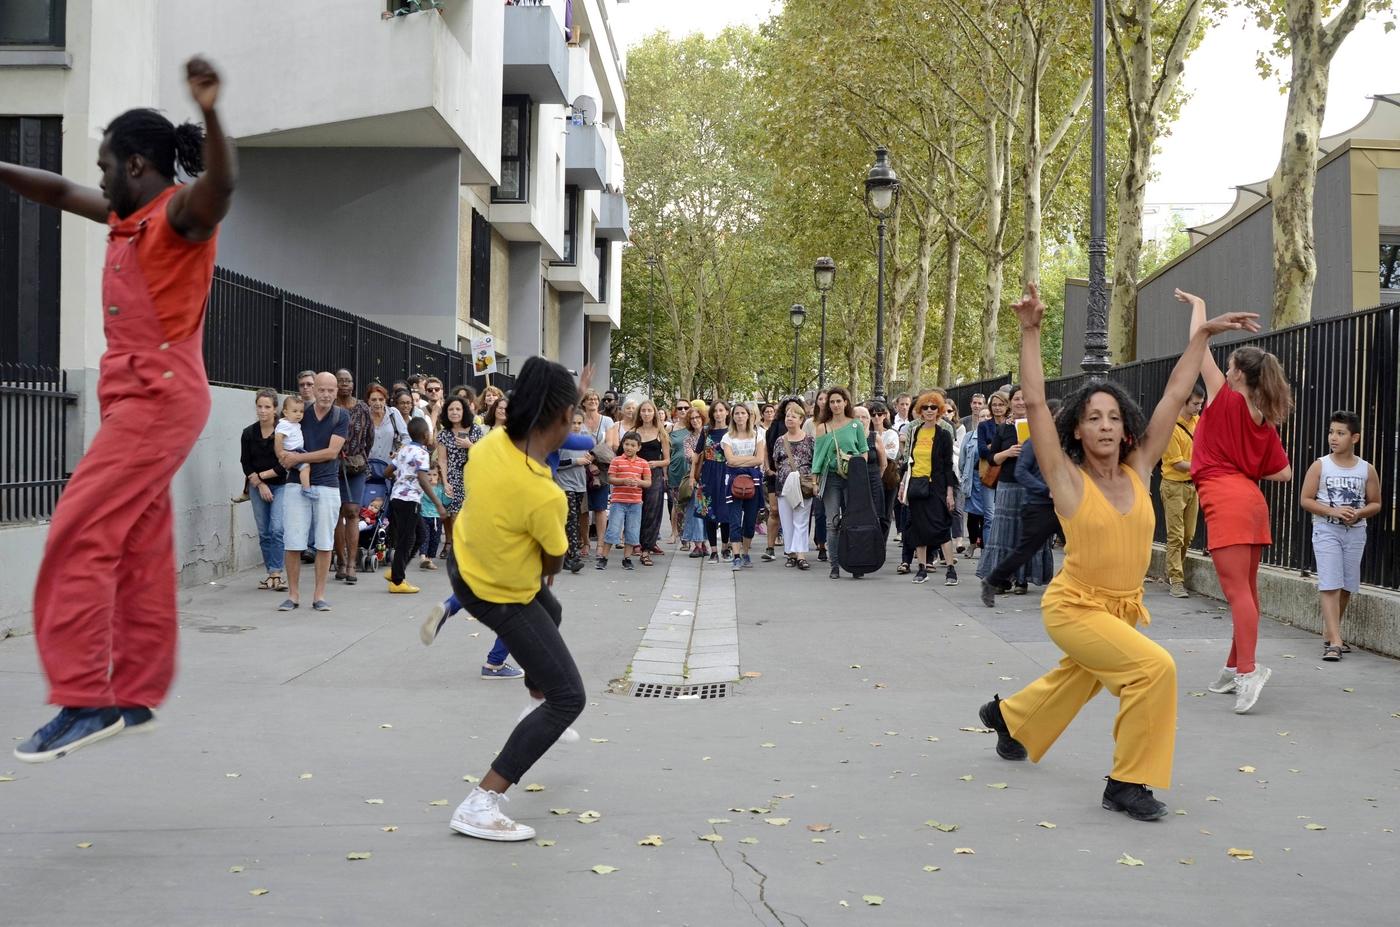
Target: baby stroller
(374,541)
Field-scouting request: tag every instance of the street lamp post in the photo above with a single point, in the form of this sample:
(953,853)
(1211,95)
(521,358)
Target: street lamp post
(797,315)
(824,273)
(651,339)
(1096,322)
(881,197)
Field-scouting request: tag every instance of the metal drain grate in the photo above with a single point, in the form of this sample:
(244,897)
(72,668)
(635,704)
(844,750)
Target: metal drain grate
(706,690)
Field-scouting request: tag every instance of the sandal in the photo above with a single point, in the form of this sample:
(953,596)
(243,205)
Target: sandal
(903,568)
(1331,653)
(803,564)
(646,560)
(279,584)
(269,583)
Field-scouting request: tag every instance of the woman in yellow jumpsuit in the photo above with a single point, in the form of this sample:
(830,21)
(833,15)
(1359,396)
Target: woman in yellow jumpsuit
(1097,458)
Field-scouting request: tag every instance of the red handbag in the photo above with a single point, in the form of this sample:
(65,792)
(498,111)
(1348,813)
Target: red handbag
(742,487)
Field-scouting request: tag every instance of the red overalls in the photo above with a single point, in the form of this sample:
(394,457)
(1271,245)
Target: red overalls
(104,604)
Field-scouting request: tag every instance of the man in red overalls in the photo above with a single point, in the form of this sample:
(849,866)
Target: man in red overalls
(104,604)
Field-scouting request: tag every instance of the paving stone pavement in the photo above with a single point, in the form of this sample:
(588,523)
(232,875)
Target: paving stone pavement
(820,775)
(693,635)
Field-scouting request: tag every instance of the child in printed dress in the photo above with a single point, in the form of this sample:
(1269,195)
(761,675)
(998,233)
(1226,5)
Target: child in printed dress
(1341,491)
(287,437)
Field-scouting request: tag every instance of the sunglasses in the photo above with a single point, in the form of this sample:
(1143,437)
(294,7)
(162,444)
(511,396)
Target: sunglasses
(928,408)
(435,389)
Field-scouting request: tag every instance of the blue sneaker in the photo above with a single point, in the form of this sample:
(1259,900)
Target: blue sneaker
(139,719)
(748,562)
(504,671)
(737,563)
(70,729)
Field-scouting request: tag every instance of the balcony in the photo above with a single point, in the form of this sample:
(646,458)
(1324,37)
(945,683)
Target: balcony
(586,158)
(613,218)
(536,57)
(417,81)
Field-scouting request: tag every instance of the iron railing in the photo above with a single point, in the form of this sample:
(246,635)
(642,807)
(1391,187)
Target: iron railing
(257,334)
(1350,362)
(34,403)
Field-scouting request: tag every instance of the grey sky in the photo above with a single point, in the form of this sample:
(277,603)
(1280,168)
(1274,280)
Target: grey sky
(1228,132)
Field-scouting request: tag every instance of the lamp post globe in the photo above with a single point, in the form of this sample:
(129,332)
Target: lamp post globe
(881,198)
(797,315)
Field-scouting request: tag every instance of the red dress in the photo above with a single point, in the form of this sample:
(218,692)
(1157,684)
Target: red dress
(1231,454)
(104,603)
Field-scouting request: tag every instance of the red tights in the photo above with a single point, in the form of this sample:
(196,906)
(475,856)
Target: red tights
(1238,569)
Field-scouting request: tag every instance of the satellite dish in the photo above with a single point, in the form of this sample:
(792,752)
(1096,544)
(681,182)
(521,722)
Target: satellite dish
(587,108)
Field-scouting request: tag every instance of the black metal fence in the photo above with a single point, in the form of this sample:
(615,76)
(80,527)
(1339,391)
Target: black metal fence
(257,334)
(33,440)
(1351,362)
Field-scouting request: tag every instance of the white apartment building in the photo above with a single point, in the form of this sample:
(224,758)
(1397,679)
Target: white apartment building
(448,173)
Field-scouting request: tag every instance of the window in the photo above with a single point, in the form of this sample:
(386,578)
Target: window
(32,22)
(570,226)
(1390,263)
(480,296)
(515,151)
(600,250)
(29,247)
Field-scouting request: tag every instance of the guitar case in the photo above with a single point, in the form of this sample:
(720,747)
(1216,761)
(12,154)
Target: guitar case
(860,538)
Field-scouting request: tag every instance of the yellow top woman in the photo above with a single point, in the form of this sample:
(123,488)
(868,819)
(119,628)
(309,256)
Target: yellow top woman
(1097,458)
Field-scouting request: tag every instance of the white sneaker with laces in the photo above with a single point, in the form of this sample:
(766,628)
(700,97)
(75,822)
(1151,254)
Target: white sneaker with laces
(480,815)
(1248,686)
(1226,683)
(570,736)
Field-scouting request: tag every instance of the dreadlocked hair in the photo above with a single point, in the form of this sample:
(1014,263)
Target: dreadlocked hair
(1072,411)
(543,390)
(147,133)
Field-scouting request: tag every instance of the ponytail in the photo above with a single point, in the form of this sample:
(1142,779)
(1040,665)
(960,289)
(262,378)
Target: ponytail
(1268,386)
(147,133)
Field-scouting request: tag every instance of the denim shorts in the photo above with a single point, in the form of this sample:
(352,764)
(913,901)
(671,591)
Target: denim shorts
(598,498)
(1338,550)
(352,487)
(624,523)
(302,515)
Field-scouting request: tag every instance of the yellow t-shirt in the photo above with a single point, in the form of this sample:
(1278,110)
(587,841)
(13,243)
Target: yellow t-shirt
(512,513)
(921,463)
(1179,448)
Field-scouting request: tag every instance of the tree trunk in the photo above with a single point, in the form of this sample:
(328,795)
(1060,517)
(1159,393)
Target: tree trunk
(1034,163)
(950,309)
(1127,252)
(925,262)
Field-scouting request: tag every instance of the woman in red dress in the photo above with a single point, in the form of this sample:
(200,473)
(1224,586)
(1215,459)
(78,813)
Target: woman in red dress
(104,603)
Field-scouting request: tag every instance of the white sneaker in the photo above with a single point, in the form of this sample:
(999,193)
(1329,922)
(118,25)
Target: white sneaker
(1248,685)
(570,736)
(480,815)
(1226,683)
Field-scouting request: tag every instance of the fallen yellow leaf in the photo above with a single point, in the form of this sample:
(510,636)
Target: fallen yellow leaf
(1046,824)
(996,785)
(967,778)
(358,855)
(1187,861)
(872,899)
(964,851)
(389,829)
(604,870)
(777,822)
(977,730)
(534,787)
(650,840)
(1313,826)
(1246,769)
(1238,853)
(946,828)
(589,817)
(932,868)
(386,727)
(749,840)
(235,868)
(226,776)
(767,743)
(471,779)
(1127,860)
(819,828)
(1348,690)
(84,846)
(819,840)
(717,821)
(438,801)
(544,843)
(258,891)
(598,740)
(374,801)
(304,776)
(752,675)
(712,838)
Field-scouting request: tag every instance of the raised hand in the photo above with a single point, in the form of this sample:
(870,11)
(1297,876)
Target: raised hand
(1184,297)
(1029,309)
(1231,321)
(204,82)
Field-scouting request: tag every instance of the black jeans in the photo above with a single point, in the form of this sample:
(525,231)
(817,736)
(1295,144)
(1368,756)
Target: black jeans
(531,631)
(403,535)
(1038,525)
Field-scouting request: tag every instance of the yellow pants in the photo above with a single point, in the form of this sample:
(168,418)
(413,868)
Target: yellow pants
(1097,630)
(1181,507)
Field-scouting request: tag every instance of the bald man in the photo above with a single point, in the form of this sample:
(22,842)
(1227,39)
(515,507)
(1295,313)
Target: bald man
(324,428)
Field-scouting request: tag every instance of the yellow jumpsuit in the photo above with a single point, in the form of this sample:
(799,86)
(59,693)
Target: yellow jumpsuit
(1091,610)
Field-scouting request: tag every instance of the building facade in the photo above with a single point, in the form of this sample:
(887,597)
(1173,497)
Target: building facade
(449,169)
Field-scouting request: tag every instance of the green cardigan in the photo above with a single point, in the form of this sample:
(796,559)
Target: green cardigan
(849,437)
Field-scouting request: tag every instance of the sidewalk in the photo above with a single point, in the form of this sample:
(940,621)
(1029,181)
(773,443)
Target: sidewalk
(820,774)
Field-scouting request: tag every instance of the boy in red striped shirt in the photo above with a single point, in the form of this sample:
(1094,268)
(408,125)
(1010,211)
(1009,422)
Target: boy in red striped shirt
(628,476)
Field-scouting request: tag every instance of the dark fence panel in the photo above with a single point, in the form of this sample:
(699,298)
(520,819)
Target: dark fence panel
(256,335)
(34,404)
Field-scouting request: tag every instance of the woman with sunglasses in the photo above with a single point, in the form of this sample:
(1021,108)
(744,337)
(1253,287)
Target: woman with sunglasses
(692,525)
(676,436)
(597,425)
(930,488)
(839,437)
(883,431)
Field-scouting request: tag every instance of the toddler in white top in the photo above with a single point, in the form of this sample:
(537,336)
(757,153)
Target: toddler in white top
(287,437)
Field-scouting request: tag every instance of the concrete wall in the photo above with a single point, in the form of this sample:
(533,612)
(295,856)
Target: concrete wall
(372,231)
(1234,269)
(526,301)
(600,350)
(571,328)
(551,323)
(213,537)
